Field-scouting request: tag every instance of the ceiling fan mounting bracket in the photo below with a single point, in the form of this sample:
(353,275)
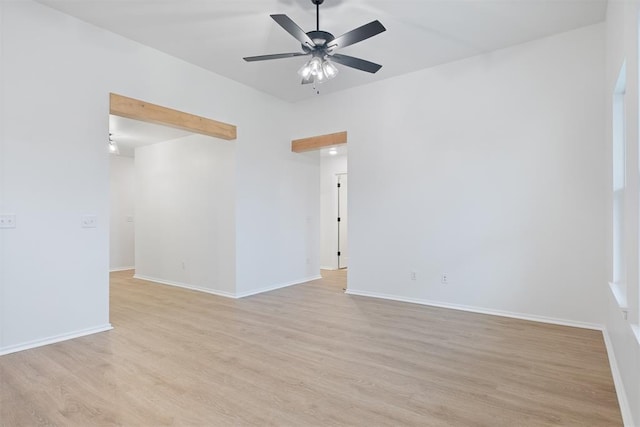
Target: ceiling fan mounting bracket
(317,2)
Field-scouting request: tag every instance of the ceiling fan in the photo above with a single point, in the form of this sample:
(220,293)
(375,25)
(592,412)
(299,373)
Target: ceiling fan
(321,46)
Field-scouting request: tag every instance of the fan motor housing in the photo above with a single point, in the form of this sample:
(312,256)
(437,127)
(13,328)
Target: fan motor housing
(320,39)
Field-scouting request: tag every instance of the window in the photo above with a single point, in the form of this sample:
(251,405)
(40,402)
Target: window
(619,184)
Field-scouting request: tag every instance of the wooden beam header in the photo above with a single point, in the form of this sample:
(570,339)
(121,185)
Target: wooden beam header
(151,113)
(317,142)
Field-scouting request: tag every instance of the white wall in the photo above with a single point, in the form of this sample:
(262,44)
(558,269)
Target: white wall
(277,210)
(329,167)
(3,206)
(57,73)
(488,169)
(185,213)
(55,170)
(622,44)
(121,208)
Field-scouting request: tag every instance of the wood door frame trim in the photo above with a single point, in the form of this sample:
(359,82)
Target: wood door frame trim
(136,109)
(318,142)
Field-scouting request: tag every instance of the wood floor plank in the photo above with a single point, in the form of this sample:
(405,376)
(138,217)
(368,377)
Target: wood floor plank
(307,355)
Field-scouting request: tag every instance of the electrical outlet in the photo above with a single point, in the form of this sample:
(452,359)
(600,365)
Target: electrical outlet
(89,221)
(413,275)
(444,278)
(7,221)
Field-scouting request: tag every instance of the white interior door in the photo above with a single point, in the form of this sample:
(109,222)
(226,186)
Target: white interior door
(343,247)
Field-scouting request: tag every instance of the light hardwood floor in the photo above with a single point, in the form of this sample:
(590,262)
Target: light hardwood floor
(307,355)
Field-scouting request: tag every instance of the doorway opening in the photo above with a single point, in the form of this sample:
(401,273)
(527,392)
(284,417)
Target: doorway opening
(180,206)
(172,232)
(334,253)
(126,136)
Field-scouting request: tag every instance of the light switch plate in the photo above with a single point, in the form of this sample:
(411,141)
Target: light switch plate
(8,221)
(89,221)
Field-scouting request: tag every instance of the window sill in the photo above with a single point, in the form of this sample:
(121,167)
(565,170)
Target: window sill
(636,332)
(619,295)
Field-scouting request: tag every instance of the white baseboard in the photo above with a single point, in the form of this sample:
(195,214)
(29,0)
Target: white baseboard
(121,269)
(278,286)
(227,294)
(329,268)
(542,319)
(625,409)
(185,286)
(54,339)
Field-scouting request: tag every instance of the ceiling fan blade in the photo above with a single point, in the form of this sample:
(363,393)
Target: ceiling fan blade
(274,56)
(292,28)
(357,63)
(359,34)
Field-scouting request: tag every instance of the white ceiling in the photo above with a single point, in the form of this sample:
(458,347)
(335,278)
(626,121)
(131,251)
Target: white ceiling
(339,150)
(216,34)
(130,134)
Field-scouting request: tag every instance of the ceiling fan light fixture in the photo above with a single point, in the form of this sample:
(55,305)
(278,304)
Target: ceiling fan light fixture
(113,147)
(315,64)
(305,71)
(317,70)
(321,45)
(330,70)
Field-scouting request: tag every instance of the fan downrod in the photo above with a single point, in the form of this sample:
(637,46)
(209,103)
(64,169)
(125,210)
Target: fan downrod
(317,3)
